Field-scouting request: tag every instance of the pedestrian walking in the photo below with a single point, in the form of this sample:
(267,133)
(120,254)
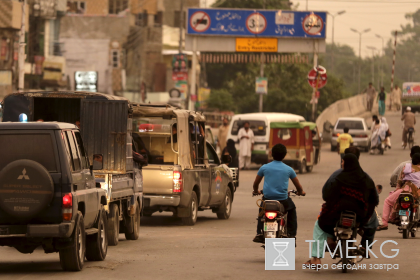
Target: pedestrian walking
(222,134)
(343,142)
(396,98)
(381,101)
(371,93)
(246,145)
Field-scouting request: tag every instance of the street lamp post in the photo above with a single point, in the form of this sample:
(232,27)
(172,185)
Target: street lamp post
(373,64)
(383,53)
(333,46)
(360,50)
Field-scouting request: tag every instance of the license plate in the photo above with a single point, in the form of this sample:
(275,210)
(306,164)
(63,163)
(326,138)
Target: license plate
(404,213)
(270,226)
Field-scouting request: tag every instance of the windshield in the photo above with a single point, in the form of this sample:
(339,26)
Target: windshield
(350,124)
(152,138)
(258,127)
(36,147)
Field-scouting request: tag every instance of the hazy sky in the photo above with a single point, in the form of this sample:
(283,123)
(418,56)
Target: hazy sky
(382,16)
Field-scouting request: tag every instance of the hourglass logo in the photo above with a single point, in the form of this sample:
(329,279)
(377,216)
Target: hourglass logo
(279,254)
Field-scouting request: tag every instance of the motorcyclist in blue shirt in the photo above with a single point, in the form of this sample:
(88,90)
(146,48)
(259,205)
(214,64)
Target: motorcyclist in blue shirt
(276,176)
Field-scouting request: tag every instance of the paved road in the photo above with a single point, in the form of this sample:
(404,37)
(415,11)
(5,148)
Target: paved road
(223,249)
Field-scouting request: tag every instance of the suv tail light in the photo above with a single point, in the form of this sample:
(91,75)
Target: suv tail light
(336,134)
(177,182)
(346,222)
(270,215)
(67,207)
(360,136)
(405,205)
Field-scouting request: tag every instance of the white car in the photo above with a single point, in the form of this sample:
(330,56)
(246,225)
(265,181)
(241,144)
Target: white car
(358,130)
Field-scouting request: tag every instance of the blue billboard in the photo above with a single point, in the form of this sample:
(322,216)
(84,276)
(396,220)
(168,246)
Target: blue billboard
(256,23)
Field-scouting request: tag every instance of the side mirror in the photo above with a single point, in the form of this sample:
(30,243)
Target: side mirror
(226,159)
(98,163)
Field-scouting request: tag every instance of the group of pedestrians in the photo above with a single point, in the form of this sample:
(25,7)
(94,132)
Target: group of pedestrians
(246,144)
(371,94)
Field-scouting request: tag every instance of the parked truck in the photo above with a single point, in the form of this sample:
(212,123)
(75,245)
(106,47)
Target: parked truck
(184,174)
(106,128)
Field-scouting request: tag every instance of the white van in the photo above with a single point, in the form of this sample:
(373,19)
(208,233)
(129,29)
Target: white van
(260,125)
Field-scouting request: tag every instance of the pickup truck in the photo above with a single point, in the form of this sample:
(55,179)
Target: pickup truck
(105,127)
(184,175)
(48,195)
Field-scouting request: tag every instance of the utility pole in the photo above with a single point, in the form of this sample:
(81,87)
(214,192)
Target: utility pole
(21,57)
(333,46)
(181,19)
(314,105)
(261,75)
(360,51)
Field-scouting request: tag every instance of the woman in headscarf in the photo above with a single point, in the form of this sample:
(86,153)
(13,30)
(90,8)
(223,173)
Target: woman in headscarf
(378,135)
(385,128)
(351,190)
(230,149)
(409,180)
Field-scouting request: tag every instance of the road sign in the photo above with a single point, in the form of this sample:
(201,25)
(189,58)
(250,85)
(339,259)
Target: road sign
(256,23)
(312,24)
(256,45)
(261,85)
(317,77)
(249,23)
(200,21)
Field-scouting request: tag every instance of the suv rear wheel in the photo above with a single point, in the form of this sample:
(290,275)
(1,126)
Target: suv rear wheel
(113,225)
(192,211)
(72,258)
(97,244)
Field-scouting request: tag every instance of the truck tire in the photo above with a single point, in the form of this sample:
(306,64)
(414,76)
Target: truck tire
(226,208)
(192,211)
(113,225)
(97,244)
(133,223)
(25,202)
(72,258)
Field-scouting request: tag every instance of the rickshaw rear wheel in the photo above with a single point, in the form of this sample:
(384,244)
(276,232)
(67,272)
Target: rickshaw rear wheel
(302,166)
(309,168)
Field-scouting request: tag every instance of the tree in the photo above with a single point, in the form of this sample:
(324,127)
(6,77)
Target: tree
(221,99)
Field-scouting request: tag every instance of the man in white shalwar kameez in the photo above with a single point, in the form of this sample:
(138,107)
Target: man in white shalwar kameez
(246,145)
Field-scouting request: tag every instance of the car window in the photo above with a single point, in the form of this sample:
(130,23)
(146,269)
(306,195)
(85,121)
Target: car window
(67,147)
(350,124)
(84,158)
(258,127)
(211,154)
(73,151)
(38,147)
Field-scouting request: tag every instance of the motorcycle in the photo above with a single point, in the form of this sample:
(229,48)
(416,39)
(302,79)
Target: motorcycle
(346,229)
(274,218)
(408,215)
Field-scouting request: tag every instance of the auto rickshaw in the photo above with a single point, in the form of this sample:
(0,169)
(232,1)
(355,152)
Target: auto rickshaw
(302,141)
